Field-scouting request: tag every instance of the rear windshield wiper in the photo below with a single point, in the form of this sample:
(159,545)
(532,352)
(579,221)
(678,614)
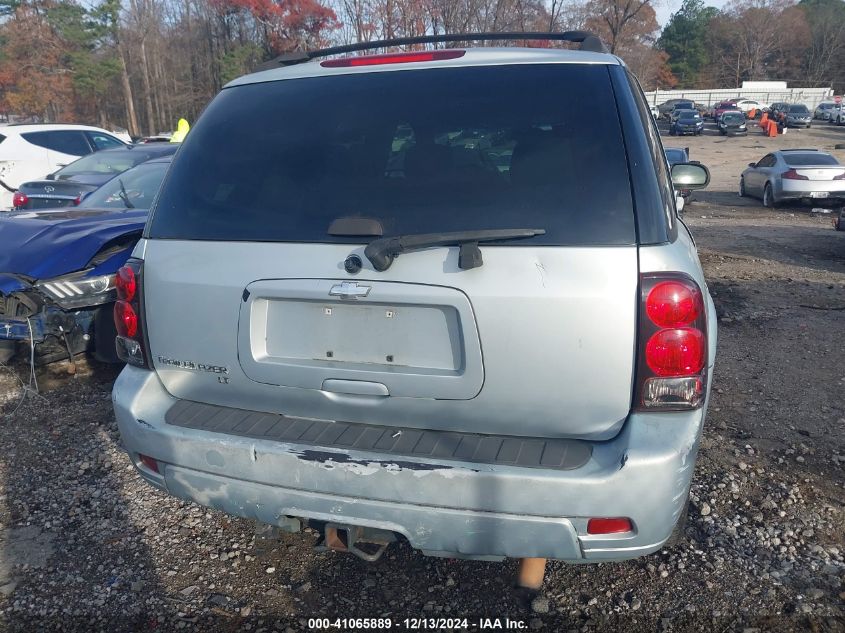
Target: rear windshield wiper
(124,196)
(383,251)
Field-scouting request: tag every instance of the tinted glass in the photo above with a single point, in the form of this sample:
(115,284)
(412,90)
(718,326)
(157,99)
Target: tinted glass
(140,185)
(103,163)
(420,151)
(2,138)
(800,109)
(733,118)
(67,141)
(104,141)
(676,156)
(801,160)
(690,116)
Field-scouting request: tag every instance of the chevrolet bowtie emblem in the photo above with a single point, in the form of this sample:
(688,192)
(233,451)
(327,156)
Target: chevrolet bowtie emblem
(349,290)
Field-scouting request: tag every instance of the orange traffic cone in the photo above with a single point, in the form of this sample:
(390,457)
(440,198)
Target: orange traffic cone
(752,114)
(764,121)
(773,129)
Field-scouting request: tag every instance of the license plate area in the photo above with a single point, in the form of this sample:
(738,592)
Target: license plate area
(415,340)
(819,194)
(383,334)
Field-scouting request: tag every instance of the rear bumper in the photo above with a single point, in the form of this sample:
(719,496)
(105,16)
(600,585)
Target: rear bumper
(440,507)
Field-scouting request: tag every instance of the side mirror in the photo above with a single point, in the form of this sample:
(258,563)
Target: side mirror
(690,176)
(752,164)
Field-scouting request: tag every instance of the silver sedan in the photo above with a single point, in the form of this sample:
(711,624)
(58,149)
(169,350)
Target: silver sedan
(798,175)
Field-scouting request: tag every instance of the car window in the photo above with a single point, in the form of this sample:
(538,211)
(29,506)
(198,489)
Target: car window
(103,163)
(798,108)
(2,138)
(676,156)
(690,116)
(767,161)
(104,141)
(732,117)
(802,160)
(140,183)
(65,141)
(439,150)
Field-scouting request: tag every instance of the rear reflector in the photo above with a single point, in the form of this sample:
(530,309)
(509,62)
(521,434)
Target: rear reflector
(609,526)
(149,462)
(392,58)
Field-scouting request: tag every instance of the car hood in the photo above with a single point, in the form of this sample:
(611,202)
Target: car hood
(53,242)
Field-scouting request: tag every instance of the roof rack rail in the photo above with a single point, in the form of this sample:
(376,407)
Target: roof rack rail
(588,41)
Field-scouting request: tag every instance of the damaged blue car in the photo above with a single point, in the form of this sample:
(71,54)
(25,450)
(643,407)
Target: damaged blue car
(57,268)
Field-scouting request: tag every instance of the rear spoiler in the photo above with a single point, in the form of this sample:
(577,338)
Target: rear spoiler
(587,40)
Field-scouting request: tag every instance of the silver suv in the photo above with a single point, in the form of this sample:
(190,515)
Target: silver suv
(433,296)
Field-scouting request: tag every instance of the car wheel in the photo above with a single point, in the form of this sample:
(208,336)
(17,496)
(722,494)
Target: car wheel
(671,131)
(742,187)
(768,197)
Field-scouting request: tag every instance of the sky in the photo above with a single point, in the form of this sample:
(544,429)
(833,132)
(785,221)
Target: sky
(665,8)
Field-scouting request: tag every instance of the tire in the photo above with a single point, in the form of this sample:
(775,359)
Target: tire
(671,131)
(768,197)
(742,193)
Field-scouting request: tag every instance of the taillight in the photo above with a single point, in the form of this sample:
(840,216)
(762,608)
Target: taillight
(128,315)
(793,175)
(77,200)
(392,58)
(672,358)
(19,199)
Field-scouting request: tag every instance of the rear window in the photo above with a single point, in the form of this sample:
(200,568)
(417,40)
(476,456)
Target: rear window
(420,151)
(135,188)
(804,160)
(103,163)
(674,156)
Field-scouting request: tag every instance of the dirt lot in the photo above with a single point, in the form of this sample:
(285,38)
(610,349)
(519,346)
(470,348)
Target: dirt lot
(85,545)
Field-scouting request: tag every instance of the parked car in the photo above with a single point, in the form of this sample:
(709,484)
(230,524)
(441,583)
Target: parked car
(686,122)
(367,372)
(57,284)
(722,108)
(798,115)
(667,106)
(837,115)
(747,105)
(796,175)
(733,124)
(655,112)
(31,151)
(777,110)
(676,155)
(69,185)
(679,107)
(823,110)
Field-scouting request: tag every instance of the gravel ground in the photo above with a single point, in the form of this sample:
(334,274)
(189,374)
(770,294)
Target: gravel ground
(86,545)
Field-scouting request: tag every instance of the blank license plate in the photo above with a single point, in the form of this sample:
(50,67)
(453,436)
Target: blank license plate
(819,194)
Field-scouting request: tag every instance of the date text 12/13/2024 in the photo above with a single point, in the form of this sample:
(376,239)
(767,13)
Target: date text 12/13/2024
(416,624)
